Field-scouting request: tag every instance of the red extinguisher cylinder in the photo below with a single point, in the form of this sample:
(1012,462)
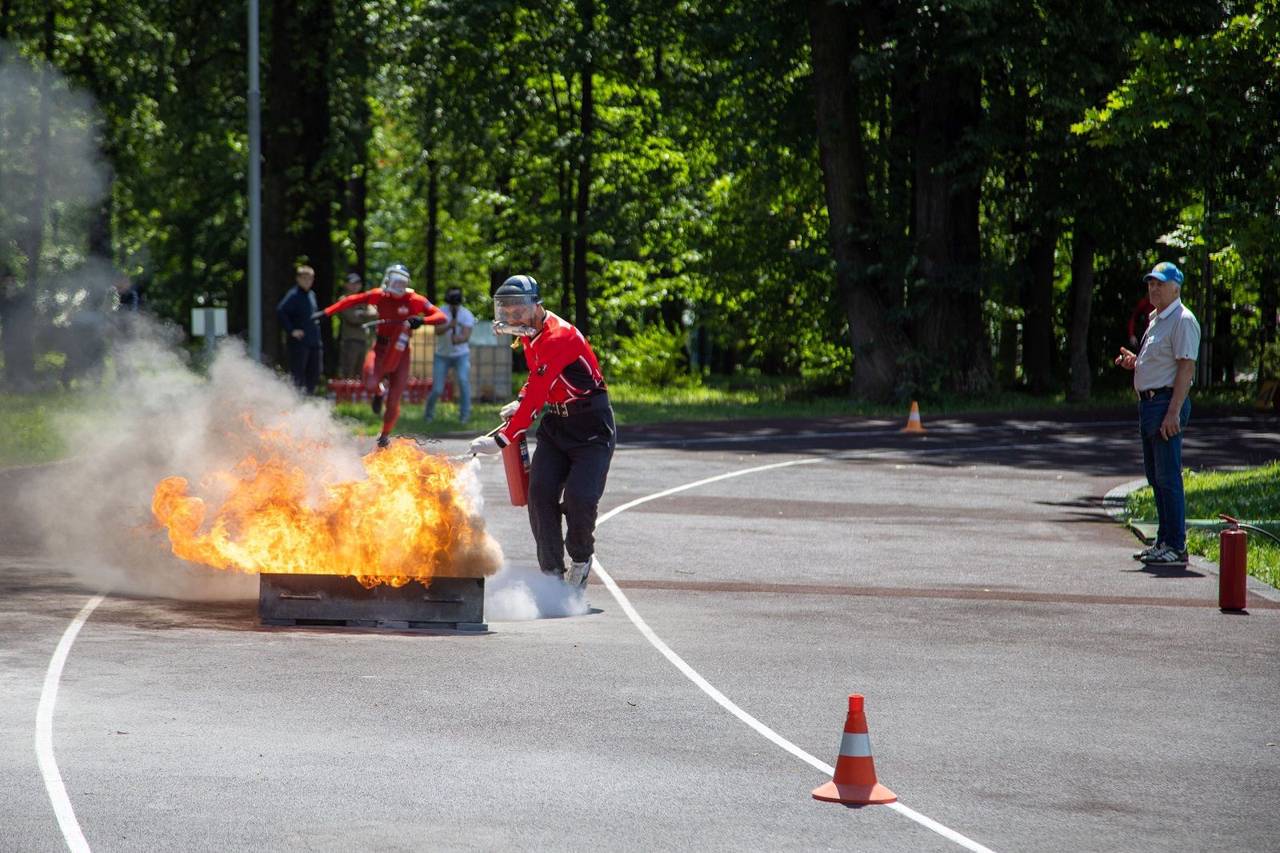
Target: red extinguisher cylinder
(515,459)
(1233,558)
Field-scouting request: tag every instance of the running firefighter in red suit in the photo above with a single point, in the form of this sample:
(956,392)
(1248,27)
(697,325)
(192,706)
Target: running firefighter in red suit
(386,366)
(577,436)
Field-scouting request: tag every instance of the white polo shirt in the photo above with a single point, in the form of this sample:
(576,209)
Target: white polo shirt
(463,319)
(1172,334)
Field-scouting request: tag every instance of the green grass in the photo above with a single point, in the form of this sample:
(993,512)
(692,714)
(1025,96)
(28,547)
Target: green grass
(29,439)
(761,398)
(29,425)
(1251,495)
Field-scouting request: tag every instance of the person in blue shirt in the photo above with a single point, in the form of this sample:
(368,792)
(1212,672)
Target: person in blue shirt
(296,313)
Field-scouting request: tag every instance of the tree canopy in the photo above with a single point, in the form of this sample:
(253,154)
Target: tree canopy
(883,198)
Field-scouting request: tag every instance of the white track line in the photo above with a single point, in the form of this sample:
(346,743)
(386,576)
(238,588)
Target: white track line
(724,701)
(44,733)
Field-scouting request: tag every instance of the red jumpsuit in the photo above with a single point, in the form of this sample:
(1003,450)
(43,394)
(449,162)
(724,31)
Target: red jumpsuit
(575,441)
(390,353)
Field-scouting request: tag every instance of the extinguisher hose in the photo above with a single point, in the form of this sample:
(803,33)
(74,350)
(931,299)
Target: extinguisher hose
(1256,529)
(1235,522)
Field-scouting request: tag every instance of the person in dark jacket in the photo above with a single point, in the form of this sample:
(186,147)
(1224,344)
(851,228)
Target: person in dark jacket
(296,313)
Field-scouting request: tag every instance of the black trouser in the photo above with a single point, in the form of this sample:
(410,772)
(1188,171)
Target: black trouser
(304,365)
(567,476)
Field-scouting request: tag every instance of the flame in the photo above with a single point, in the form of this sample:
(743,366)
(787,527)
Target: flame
(404,521)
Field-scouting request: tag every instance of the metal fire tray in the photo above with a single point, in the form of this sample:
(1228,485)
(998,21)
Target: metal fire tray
(340,600)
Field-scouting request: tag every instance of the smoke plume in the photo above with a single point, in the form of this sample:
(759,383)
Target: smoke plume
(162,419)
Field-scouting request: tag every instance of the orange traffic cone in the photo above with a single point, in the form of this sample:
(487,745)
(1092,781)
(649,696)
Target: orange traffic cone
(913,420)
(854,782)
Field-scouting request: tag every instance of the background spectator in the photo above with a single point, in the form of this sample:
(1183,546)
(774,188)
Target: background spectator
(296,315)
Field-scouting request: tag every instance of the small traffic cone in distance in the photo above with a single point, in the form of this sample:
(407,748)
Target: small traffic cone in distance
(913,420)
(854,782)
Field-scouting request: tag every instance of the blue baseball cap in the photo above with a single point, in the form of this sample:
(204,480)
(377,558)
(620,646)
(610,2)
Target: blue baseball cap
(1165,271)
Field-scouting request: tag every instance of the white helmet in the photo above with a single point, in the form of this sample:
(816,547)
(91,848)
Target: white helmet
(396,279)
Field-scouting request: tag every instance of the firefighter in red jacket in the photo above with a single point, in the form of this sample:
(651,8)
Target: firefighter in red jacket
(577,436)
(386,366)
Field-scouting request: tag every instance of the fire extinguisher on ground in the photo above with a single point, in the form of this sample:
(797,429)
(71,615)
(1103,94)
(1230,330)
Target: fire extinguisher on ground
(1233,557)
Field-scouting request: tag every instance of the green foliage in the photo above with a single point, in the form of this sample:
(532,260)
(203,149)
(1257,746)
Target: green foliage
(653,357)
(1270,363)
(707,230)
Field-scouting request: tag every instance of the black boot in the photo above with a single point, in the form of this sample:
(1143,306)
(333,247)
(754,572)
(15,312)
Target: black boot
(384,440)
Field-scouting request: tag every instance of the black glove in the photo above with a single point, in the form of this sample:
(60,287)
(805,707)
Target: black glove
(415,322)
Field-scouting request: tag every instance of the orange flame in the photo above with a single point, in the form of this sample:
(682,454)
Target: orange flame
(405,521)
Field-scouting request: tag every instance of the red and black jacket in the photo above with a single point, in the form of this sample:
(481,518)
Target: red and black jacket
(562,369)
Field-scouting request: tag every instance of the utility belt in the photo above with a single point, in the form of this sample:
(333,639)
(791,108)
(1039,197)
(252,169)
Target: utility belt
(596,402)
(1152,393)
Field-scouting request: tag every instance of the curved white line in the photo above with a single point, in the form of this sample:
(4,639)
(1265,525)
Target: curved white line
(44,733)
(724,701)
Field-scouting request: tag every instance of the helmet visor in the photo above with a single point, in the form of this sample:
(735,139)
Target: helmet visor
(395,284)
(515,309)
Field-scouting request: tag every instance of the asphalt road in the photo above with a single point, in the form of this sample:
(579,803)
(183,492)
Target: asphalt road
(1027,684)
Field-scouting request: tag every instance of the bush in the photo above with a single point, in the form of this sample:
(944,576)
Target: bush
(1270,361)
(653,357)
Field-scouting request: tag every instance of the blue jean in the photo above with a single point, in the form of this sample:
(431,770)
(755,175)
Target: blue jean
(439,370)
(1162,458)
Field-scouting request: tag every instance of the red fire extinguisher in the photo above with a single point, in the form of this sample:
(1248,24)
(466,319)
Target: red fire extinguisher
(515,458)
(1233,558)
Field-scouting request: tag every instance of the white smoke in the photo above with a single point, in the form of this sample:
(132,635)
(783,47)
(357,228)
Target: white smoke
(518,593)
(48,152)
(162,419)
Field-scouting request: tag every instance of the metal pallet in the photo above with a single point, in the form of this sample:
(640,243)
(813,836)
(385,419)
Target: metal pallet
(342,601)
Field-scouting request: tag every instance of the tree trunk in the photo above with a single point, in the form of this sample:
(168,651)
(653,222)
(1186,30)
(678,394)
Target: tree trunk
(1083,249)
(876,343)
(947,312)
(564,193)
(1268,305)
(1038,340)
(582,225)
(297,190)
(566,239)
(356,212)
(1224,350)
(433,225)
(22,351)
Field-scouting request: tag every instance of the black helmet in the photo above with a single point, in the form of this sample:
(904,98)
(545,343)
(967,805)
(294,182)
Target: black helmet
(520,285)
(513,302)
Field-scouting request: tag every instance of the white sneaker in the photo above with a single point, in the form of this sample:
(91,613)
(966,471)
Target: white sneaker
(578,573)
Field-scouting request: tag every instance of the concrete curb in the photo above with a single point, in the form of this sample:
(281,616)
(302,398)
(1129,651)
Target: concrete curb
(1113,503)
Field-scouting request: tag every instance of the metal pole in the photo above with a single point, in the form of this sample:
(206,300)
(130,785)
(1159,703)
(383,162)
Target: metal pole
(255,192)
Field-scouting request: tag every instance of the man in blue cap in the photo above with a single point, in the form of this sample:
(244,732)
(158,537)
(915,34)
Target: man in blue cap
(1162,372)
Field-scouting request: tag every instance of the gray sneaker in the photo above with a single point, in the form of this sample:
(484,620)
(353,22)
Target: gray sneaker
(1147,552)
(578,573)
(1166,556)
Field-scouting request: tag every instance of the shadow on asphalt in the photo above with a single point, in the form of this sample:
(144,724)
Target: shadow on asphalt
(1100,443)
(1163,572)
